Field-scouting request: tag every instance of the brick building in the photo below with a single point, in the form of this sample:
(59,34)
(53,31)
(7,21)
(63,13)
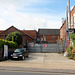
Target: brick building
(73,18)
(43,35)
(63,31)
(64,35)
(63,27)
(32,33)
(26,37)
(48,35)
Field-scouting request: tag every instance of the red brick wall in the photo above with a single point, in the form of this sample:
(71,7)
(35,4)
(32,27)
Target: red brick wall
(1,37)
(49,38)
(30,40)
(24,39)
(63,27)
(63,31)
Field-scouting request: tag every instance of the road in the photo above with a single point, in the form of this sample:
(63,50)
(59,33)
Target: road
(29,73)
(40,62)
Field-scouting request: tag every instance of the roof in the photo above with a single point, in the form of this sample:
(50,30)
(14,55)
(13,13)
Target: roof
(73,8)
(30,32)
(1,31)
(63,24)
(12,29)
(49,32)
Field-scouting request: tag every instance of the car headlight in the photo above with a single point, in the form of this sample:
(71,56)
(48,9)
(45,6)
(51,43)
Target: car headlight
(20,55)
(11,54)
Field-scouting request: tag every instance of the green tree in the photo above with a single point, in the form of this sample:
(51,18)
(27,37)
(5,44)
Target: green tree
(9,37)
(15,37)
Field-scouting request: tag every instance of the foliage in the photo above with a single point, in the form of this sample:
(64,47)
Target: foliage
(9,37)
(10,44)
(72,36)
(2,59)
(69,52)
(15,36)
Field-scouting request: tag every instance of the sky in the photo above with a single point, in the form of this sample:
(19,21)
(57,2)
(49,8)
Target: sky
(33,14)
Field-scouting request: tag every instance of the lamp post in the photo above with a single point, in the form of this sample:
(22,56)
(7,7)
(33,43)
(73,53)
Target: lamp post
(68,22)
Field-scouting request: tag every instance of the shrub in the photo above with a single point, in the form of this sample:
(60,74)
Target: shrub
(9,37)
(72,36)
(69,52)
(73,50)
(10,44)
(15,37)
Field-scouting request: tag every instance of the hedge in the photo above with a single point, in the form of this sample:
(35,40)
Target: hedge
(71,49)
(10,44)
(69,52)
(72,36)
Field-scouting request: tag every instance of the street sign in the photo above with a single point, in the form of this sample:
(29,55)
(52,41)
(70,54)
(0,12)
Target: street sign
(45,45)
(32,45)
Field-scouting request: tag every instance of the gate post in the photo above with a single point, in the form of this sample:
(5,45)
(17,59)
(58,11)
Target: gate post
(58,50)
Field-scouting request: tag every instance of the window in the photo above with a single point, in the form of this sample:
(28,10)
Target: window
(44,38)
(41,39)
(54,37)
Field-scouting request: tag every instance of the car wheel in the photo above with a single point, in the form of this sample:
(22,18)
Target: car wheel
(11,58)
(23,57)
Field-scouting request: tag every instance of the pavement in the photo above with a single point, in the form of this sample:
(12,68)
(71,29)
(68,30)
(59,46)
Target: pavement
(46,62)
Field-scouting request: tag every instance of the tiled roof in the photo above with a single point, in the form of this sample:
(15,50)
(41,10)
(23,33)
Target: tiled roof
(12,29)
(1,31)
(30,32)
(49,32)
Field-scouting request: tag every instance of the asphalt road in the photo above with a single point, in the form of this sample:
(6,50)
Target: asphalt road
(29,73)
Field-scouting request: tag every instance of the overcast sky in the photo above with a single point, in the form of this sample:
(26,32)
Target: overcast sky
(32,14)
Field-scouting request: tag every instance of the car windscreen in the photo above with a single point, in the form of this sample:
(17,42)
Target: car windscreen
(19,50)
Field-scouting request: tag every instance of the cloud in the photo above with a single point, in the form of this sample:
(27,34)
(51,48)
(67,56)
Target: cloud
(29,21)
(25,20)
(72,7)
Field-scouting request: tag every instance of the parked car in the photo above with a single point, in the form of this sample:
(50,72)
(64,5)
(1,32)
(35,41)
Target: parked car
(20,54)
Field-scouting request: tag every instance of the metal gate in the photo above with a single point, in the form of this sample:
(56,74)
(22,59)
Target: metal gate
(49,48)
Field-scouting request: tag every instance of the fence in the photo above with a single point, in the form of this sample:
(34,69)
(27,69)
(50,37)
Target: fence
(49,48)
